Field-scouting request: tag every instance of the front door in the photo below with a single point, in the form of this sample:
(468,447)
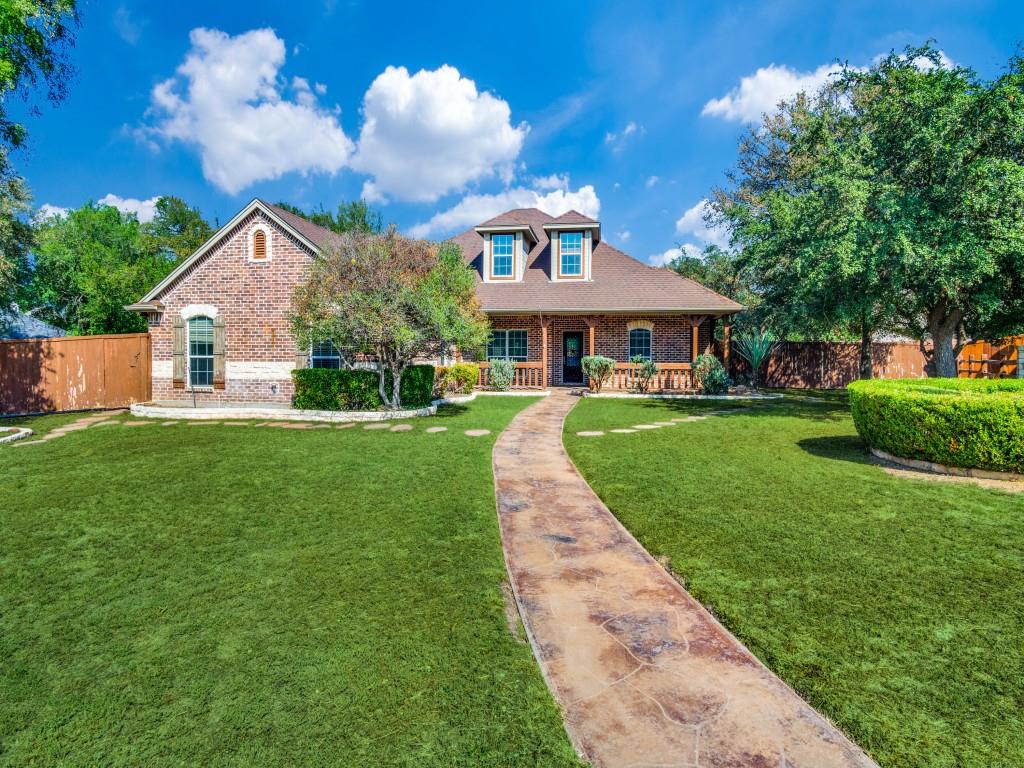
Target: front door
(572,352)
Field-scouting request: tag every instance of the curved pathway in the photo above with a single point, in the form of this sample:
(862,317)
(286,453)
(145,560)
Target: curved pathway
(643,673)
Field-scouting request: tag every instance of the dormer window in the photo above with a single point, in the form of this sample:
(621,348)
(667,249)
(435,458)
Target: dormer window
(503,249)
(570,254)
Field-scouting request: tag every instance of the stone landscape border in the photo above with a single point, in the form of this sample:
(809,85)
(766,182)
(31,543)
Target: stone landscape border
(10,434)
(659,396)
(942,469)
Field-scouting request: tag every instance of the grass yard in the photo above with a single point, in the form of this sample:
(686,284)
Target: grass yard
(218,595)
(895,606)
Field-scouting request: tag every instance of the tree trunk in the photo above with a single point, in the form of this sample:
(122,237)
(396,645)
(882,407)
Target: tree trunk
(943,327)
(866,366)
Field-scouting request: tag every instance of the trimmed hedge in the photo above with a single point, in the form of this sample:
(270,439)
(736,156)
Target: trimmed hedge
(326,389)
(969,423)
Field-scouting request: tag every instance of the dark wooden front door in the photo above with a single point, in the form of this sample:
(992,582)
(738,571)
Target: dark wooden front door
(572,354)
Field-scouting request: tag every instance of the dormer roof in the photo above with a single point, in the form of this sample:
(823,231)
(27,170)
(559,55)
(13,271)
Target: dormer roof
(619,283)
(574,221)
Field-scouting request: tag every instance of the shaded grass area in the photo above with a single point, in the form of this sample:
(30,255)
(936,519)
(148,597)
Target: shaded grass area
(216,595)
(895,606)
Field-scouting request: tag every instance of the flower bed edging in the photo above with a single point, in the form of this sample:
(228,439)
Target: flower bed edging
(942,469)
(10,434)
(219,413)
(658,396)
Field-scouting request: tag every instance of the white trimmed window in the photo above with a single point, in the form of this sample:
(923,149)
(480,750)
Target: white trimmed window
(200,352)
(640,343)
(503,248)
(507,345)
(324,354)
(570,254)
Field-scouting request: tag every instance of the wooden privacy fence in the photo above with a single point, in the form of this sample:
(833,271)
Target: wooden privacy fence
(831,365)
(74,373)
(992,359)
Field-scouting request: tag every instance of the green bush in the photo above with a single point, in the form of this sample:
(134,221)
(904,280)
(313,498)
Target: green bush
(326,389)
(643,373)
(598,369)
(461,378)
(503,372)
(973,423)
(709,375)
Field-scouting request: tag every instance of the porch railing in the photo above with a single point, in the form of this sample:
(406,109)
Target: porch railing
(527,376)
(671,377)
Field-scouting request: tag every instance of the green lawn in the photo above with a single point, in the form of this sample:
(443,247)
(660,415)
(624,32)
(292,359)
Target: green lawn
(216,595)
(895,606)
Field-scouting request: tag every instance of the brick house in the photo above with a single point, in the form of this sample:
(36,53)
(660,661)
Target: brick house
(553,290)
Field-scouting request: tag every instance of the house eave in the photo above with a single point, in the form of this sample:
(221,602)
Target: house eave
(146,307)
(594,227)
(526,229)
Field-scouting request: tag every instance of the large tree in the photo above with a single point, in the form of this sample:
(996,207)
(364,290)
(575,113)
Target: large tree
(34,38)
(390,296)
(88,265)
(891,199)
(948,149)
(177,229)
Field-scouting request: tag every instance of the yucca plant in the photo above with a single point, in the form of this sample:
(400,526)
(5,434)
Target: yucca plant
(756,347)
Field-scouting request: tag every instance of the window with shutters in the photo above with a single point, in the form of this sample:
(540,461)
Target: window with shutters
(200,352)
(260,245)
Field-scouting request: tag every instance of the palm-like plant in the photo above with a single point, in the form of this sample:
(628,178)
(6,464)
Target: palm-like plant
(756,347)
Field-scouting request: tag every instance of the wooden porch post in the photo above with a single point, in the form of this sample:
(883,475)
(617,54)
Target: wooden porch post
(591,324)
(544,352)
(726,344)
(695,321)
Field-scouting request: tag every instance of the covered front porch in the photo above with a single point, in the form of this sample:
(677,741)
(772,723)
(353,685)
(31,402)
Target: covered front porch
(548,350)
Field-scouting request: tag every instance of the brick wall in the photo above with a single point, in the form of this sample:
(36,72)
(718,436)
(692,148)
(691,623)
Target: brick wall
(254,299)
(670,340)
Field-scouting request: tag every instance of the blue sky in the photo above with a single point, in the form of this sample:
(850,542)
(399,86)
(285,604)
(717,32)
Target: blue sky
(444,114)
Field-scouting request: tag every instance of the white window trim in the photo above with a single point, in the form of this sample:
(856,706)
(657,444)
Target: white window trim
(198,310)
(506,331)
(250,248)
(188,355)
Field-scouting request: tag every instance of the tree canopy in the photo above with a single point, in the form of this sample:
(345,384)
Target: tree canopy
(390,296)
(92,262)
(351,216)
(893,199)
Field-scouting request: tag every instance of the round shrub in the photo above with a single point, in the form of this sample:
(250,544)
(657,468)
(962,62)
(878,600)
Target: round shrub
(709,375)
(968,423)
(461,378)
(503,372)
(598,369)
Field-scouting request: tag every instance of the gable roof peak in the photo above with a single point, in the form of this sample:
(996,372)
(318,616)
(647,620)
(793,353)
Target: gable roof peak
(573,217)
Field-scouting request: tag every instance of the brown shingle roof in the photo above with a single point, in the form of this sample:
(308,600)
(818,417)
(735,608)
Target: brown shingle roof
(319,236)
(620,283)
(572,217)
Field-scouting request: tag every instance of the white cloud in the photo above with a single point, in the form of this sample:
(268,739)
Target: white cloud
(692,225)
(662,259)
(48,210)
(623,236)
(226,99)
(144,210)
(127,28)
(474,209)
(762,91)
(617,141)
(431,133)
(651,181)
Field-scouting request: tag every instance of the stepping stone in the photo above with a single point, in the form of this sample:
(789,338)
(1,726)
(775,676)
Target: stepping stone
(20,443)
(236,424)
(275,424)
(435,430)
(346,425)
(297,425)
(478,432)
(105,423)
(664,424)
(596,433)
(202,423)
(401,428)
(137,423)
(168,423)
(646,426)
(377,425)
(321,426)
(622,431)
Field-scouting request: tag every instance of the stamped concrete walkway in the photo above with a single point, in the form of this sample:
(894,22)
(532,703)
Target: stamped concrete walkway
(643,673)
